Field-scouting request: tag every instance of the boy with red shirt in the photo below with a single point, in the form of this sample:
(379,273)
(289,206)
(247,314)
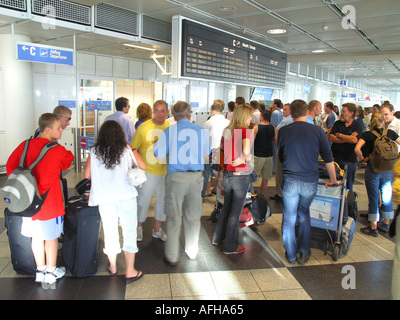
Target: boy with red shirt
(46,226)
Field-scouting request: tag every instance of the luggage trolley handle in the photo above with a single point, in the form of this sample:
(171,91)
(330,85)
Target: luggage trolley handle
(342,203)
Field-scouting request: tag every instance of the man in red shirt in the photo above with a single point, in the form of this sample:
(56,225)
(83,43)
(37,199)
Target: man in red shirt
(46,226)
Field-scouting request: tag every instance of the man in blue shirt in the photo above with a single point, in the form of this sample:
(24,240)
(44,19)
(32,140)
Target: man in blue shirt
(122,106)
(330,117)
(186,148)
(299,145)
(276,118)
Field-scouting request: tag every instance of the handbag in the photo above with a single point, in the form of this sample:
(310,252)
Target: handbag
(136,176)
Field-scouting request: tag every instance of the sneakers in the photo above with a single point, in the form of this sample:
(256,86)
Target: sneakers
(240,249)
(40,275)
(52,277)
(370,232)
(48,277)
(160,234)
(383,226)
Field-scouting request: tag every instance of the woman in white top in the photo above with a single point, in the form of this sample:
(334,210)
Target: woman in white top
(107,166)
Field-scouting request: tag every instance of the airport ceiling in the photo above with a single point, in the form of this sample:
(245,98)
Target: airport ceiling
(355,39)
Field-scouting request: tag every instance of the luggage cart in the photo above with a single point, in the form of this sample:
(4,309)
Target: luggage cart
(333,217)
(257,212)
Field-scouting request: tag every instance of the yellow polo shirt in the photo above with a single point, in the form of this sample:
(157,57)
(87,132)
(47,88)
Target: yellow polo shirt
(143,140)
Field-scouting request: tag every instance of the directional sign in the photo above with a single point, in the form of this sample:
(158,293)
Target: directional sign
(71,104)
(101,105)
(46,54)
(85,143)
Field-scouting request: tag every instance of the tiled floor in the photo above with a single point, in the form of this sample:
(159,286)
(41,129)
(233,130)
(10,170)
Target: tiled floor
(258,274)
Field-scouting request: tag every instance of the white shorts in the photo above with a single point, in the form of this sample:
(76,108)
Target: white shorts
(46,230)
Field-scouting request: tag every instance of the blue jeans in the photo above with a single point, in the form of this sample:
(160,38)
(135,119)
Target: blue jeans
(351,173)
(235,190)
(206,174)
(297,197)
(379,183)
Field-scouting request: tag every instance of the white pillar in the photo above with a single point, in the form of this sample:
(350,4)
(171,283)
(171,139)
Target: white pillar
(315,93)
(243,91)
(19,123)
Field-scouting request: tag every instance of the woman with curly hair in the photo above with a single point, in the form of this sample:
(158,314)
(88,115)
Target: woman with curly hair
(143,113)
(107,166)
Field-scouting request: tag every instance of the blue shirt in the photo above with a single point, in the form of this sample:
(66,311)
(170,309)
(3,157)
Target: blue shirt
(125,122)
(287,120)
(186,146)
(276,117)
(299,145)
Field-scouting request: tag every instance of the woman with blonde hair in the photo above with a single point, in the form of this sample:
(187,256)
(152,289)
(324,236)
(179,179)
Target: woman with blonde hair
(376,182)
(236,144)
(143,113)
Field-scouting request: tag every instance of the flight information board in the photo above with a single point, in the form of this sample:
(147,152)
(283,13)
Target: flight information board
(212,54)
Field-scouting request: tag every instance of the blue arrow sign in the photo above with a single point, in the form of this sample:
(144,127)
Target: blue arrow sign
(37,53)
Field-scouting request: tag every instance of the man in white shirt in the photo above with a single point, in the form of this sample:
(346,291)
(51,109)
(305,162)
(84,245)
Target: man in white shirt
(255,118)
(391,122)
(215,127)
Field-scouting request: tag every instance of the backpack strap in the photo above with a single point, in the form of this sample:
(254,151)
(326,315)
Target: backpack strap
(42,153)
(24,152)
(377,134)
(385,131)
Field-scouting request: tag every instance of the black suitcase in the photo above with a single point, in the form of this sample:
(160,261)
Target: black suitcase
(22,257)
(260,209)
(81,237)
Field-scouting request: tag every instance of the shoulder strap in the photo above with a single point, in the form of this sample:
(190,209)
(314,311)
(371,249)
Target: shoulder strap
(133,157)
(385,131)
(42,153)
(24,152)
(376,133)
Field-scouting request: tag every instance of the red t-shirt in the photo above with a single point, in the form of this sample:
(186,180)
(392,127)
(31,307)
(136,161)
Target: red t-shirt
(47,174)
(233,149)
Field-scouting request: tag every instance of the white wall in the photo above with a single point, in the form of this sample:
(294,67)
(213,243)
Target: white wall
(16,97)
(3,149)
(137,91)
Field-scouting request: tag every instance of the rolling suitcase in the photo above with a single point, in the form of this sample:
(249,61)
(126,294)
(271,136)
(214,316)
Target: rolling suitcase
(260,209)
(20,246)
(81,236)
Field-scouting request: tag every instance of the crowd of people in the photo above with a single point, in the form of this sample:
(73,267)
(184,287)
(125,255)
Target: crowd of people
(257,141)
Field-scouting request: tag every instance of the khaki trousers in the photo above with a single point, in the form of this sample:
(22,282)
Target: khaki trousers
(183,203)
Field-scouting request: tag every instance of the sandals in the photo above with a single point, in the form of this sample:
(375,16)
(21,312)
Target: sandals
(111,273)
(138,276)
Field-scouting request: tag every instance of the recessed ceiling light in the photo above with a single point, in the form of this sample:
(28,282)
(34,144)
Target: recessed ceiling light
(227,8)
(138,47)
(318,51)
(276,31)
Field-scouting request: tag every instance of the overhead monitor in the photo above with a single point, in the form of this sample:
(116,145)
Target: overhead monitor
(203,52)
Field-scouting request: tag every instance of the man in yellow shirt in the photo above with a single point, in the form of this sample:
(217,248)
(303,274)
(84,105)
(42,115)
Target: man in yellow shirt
(143,140)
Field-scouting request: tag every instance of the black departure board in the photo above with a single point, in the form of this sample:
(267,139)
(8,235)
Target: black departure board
(209,53)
